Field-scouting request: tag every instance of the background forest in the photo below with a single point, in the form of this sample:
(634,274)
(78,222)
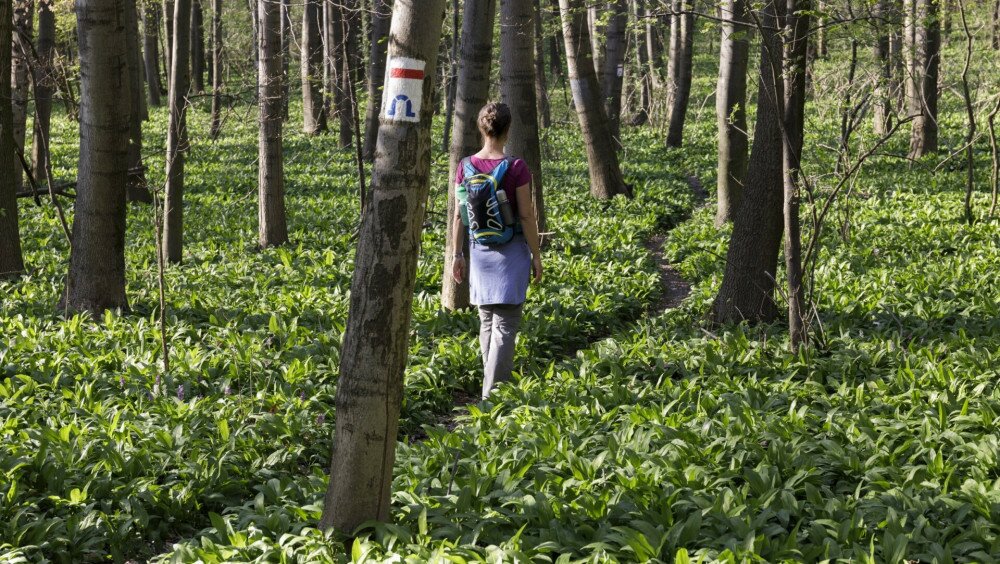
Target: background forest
(800,364)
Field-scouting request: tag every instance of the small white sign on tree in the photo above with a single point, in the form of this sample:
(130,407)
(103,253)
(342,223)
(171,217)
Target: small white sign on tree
(404,89)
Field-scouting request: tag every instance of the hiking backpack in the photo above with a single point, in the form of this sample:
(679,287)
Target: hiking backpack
(481,210)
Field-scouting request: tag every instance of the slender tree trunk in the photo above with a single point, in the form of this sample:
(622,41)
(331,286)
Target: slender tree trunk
(555,42)
(883,100)
(273,229)
(909,58)
(197,47)
(24,12)
(177,135)
(673,49)
(217,45)
(996,24)
(11,259)
(373,361)
(517,90)
(452,69)
(605,175)
(44,85)
(287,39)
(924,137)
(471,94)
(96,279)
(684,55)
(541,84)
(730,108)
(339,71)
(313,105)
(821,43)
(747,290)
(596,31)
(614,69)
(376,72)
(168,26)
(796,48)
(654,48)
(645,78)
(137,191)
(150,50)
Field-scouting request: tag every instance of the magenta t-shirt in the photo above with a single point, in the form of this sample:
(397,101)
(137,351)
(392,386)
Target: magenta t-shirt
(517,175)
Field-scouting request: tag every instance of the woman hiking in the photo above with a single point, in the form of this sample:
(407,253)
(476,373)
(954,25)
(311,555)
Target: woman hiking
(496,211)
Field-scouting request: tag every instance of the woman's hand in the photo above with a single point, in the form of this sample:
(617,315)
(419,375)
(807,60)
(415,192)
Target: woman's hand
(536,268)
(458,269)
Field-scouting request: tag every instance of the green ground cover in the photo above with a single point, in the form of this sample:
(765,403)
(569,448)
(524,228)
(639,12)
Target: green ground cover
(631,436)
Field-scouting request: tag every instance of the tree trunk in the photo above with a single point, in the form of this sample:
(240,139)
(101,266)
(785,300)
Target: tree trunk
(747,290)
(338,72)
(137,191)
(373,361)
(286,54)
(605,175)
(654,48)
(541,84)
(555,42)
(96,279)
(313,105)
(150,50)
(682,57)
(821,43)
(645,78)
(730,108)
(452,69)
(883,100)
(471,93)
(927,38)
(517,90)
(24,12)
(44,85)
(272,229)
(177,135)
(795,49)
(996,24)
(376,73)
(168,26)
(11,259)
(596,31)
(909,58)
(614,69)
(197,47)
(217,40)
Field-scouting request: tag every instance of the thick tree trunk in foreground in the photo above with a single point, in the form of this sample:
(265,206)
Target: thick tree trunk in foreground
(11,259)
(614,69)
(44,86)
(927,39)
(380,19)
(216,126)
(471,94)
(374,353)
(796,48)
(272,227)
(137,191)
(96,279)
(177,135)
(313,105)
(605,175)
(150,50)
(681,57)
(541,84)
(517,90)
(24,12)
(730,108)
(747,290)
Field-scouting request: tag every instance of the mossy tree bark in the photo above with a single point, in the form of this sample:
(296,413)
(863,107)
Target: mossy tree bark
(272,225)
(96,279)
(471,93)
(11,259)
(373,361)
(730,108)
(606,179)
(517,90)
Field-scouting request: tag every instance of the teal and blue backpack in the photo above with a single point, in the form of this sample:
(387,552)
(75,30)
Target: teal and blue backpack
(481,212)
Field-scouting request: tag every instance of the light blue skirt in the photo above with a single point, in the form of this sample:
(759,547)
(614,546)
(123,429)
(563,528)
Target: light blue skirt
(500,274)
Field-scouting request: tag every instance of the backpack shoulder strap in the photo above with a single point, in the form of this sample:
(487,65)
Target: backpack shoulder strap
(501,169)
(468,169)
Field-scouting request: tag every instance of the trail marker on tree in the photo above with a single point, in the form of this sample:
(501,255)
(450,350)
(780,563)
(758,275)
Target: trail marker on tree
(404,86)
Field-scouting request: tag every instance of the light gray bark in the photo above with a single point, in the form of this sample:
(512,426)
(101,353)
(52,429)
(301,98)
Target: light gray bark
(374,352)
(217,43)
(177,135)
(730,108)
(682,55)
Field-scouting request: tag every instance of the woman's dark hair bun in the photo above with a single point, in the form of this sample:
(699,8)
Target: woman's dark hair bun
(494,119)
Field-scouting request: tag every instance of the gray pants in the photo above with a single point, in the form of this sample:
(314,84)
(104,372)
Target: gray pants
(498,325)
